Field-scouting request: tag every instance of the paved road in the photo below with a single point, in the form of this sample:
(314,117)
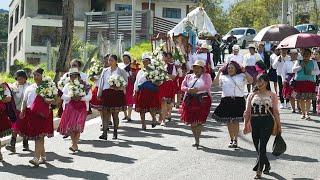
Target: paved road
(166,153)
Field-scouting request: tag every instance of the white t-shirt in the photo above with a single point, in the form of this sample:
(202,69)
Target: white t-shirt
(278,65)
(287,68)
(251,60)
(237,58)
(233,86)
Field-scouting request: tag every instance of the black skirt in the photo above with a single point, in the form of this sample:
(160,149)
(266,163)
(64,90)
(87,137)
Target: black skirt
(230,109)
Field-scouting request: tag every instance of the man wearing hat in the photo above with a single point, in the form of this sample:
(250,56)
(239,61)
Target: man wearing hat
(146,94)
(278,65)
(236,56)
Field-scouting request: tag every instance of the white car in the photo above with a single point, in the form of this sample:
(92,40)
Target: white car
(244,35)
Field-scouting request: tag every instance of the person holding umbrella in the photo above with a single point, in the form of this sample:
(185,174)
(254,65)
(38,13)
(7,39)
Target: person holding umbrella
(306,72)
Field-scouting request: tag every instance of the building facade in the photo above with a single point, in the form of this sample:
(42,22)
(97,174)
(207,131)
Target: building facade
(34,23)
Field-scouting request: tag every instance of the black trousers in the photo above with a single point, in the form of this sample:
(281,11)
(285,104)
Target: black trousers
(279,78)
(261,131)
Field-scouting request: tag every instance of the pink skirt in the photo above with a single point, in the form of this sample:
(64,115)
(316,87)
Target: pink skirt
(73,118)
(129,93)
(195,111)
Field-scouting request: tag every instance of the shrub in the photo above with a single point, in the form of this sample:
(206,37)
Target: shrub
(137,50)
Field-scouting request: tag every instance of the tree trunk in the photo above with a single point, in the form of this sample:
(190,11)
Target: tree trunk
(64,56)
(316,9)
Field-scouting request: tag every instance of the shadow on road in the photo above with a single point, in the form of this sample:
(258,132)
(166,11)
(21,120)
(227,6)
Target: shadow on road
(253,154)
(106,157)
(45,173)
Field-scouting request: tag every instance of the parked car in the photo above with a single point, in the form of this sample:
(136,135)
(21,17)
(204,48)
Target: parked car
(307,28)
(244,35)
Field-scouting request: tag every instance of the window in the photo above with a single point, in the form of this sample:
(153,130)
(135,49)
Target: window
(10,53)
(171,13)
(16,16)
(50,7)
(42,34)
(20,40)
(14,46)
(251,31)
(22,9)
(11,22)
(123,7)
(312,28)
(98,5)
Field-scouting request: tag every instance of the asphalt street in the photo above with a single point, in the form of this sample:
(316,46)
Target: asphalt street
(166,153)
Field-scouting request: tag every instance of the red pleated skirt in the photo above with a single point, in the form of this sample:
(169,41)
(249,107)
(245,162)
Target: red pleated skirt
(94,102)
(179,81)
(73,118)
(305,87)
(34,126)
(113,100)
(129,93)
(287,91)
(147,101)
(196,112)
(5,123)
(167,90)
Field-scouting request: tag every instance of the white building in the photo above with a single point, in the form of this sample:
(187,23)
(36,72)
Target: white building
(33,22)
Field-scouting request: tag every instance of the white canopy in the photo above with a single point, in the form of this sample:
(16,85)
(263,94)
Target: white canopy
(199,19)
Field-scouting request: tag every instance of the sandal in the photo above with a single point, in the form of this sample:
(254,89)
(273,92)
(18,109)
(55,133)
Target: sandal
(308,118)
(34,162)
(73,150)
(258,175)
(303,117)
(231,144)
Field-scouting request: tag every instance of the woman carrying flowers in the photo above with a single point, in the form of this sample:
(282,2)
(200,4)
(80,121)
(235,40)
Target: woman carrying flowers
(76,97)
(146,90)
(112,83)
(36,117)
(5,123)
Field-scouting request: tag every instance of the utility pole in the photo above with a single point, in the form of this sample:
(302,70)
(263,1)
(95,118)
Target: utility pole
(133,24)
(284,12)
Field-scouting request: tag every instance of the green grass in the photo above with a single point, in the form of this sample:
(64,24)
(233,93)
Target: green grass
(137,50)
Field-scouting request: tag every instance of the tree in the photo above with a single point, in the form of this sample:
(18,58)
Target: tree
(66,38)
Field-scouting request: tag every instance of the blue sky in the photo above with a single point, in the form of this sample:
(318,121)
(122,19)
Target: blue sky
(4,4)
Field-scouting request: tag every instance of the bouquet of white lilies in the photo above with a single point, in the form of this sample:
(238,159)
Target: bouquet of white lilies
(156,72)
(76,89)
(95,69)
(116,81)
(47,89)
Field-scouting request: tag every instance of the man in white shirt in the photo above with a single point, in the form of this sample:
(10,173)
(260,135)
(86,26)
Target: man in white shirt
(236,56)
(278,65)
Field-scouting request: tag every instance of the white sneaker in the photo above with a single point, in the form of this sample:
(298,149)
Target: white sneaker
(282,106)
(42,160)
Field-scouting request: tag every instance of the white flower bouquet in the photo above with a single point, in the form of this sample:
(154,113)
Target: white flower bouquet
(95,69)
(156,72)
(116,81)
(76,89)
(62,82)
(47,89)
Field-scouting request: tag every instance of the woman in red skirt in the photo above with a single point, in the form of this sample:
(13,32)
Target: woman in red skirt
(112,97)
(36,124)
(306,72)
(167,90)
(75,107)
(129,89)
(147,95)
(5,123)
(197,101)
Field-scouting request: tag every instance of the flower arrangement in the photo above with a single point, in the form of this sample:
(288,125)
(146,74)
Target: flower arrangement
(47,89)
(156,72)
(96,68)
(62,82)
(178,56)
(158,51)
(204,34)
(116,81)
(76,89)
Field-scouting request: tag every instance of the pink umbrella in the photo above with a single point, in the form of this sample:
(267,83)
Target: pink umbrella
(302,40)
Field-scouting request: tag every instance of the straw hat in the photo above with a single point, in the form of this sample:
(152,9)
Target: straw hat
(236,47)
(293,51)
(146,56)
(252,46)
(73,71)
(199,63)
(126,53)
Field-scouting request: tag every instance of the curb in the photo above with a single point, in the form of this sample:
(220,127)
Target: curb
(56,122)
